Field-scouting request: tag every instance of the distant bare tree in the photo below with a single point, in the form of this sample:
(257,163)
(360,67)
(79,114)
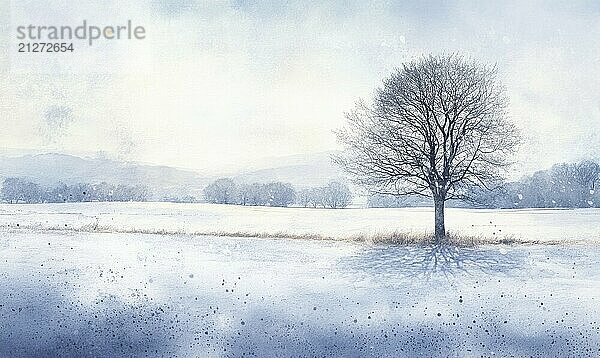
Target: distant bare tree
(337,195)
(258,194)
(281,194)
(221,191)
(140,193)
(16,190)
(303,197)
(244,194)
(436,128)
(587,174)
(317,197)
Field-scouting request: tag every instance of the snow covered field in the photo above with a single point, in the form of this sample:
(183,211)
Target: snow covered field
(66,293)
(546,224)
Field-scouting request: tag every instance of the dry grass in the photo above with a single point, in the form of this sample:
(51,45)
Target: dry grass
(391,238)
(453,238)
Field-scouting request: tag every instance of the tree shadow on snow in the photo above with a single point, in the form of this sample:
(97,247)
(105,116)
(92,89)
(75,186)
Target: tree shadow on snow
(437,260)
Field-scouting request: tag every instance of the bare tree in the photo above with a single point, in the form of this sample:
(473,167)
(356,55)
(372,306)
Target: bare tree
(317,197)
(303,198)
(281,194)
(244,194)
(337,195)
(221,191)
(436,128)
(19,190)
(258,194)
(587,174)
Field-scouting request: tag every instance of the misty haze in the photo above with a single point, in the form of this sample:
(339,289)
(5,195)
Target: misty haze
(293,179)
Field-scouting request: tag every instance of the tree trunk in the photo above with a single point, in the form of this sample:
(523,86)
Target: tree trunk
(440,228)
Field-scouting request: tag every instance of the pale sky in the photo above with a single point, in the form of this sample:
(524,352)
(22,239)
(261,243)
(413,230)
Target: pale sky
(221,84)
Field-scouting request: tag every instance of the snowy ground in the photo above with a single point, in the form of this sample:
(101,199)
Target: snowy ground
(580,224)
(74,294)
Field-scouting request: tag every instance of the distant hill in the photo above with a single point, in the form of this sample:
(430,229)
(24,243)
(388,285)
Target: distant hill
(300,170)
(49,169)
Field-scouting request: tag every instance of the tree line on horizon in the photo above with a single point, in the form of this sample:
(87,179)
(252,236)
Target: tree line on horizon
(221,191)
(277,194)
(565,185)
(20,190)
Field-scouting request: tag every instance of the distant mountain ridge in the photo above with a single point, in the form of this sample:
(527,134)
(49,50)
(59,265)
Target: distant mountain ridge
(51,168)
(302,171)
